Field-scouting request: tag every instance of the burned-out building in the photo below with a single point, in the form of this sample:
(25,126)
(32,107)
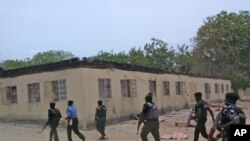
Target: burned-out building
(26,92)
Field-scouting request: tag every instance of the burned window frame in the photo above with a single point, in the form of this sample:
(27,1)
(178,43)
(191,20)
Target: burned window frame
(128,88)
(33,92)
(104,87)
(166,88)
(180,88)
(152,87)
(55,90)
(9,95)
(216,88)
(222,88)
(207,88)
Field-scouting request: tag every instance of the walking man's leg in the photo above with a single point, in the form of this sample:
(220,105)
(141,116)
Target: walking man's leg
(145,130)
(51,134)
(98,126)
(103,128)
(55,135)
(69,132)
(155,132)
(197,132)
(76,130)
(203,131)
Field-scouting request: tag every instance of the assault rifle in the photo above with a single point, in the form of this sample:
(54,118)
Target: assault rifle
(46,124)
(215,126)
(191,116)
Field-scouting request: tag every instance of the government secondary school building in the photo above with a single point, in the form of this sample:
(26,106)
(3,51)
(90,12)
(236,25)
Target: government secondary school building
(25,93)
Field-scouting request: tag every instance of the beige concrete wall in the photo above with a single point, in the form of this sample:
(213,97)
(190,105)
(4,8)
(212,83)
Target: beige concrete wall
(82,87)
(25,110)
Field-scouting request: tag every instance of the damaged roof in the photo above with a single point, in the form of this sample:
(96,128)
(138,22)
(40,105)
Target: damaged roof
(86,63)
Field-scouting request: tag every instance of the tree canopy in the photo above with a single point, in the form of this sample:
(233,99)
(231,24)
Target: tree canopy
(40,58)
(222,47)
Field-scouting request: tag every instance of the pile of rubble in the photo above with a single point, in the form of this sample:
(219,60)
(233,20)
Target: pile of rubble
(175,136)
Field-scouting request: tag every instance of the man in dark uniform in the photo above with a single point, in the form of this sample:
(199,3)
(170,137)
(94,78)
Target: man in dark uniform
(200,110)
(100,118)
(230,114)
(54,117)
(150,117)
(72,118)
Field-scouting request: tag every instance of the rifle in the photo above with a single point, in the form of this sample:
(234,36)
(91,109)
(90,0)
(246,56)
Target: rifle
(46,124)
(216,124)
(190,117)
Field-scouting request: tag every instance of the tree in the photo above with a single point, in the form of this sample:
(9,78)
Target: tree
(159,55)
(51,56)
(14,64)
(40,58)
(136,56)
(222,47)
(154,54)
(120,57)
(184,58)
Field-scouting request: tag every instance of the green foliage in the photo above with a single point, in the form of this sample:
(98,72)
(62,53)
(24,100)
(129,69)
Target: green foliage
(136,56)
(14,64)
(159,55)
(40,58)
(155,54)
(184,62)
(50,56)
(120,57)
(222,47)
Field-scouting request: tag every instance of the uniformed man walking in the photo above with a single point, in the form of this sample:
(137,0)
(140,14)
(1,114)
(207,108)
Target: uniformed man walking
(150,117)
(54,117)
(230,114)
(200,110)
(100,118)
(72,118)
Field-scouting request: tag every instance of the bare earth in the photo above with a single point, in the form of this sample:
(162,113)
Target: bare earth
(126,131)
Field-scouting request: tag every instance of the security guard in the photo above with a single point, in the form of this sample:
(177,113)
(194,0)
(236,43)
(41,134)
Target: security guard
(72,116)
(200,110)
(54,117)
(100,118)
(230,114)
(150,117)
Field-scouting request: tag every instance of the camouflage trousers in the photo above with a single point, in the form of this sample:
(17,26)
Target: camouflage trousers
(100,126)
(150,127)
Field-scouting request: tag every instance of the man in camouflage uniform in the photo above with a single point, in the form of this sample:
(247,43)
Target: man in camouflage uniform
(230,114)
(100,118)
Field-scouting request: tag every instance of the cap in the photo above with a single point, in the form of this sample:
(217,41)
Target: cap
(148,98)
(231,97)
(198,94)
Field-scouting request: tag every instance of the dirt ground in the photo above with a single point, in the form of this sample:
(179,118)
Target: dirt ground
(126,131)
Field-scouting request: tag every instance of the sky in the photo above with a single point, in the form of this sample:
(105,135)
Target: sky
(85,27)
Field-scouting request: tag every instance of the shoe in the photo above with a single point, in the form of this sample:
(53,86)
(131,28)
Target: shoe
(83,139)
(102,138)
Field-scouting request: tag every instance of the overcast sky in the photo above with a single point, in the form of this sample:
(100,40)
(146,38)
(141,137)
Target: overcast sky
(84,27)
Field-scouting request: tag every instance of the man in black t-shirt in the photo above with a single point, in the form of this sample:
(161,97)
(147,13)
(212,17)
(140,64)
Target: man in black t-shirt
(200,110)
(54,117)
